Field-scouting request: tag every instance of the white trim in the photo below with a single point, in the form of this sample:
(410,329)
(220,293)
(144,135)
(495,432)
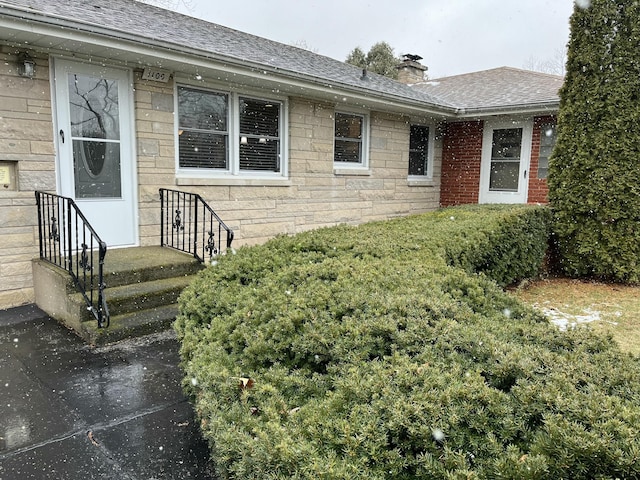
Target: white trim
(484,194)
(363,165)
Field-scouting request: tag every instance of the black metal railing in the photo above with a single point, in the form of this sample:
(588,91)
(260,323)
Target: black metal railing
(190,225)
(68,241)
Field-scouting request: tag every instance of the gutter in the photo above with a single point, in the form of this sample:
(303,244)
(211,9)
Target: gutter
(477,112)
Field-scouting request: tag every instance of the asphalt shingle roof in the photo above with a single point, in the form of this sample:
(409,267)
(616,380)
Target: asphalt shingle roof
(150,24)
(495,88)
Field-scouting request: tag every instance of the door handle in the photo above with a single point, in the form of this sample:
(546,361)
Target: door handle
(62,135)
(525,174)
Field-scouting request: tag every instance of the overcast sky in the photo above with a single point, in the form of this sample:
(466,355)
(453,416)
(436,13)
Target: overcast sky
(453,36)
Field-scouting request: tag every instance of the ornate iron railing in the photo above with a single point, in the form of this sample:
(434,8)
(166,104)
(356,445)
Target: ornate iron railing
(68,241)
(190,225)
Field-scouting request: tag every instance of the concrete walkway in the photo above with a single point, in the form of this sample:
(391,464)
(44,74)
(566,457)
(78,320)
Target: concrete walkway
(68,411)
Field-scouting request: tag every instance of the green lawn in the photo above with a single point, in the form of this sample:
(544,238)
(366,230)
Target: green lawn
(605,307)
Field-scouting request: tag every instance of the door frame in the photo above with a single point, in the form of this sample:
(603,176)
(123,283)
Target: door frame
(521,196)
(127,134)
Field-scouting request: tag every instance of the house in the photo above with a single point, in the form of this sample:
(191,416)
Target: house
(497,146)
(108,102)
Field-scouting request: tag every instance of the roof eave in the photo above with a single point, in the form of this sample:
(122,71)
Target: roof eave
(521,109)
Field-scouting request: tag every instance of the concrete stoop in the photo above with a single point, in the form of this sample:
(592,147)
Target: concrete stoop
(142,287)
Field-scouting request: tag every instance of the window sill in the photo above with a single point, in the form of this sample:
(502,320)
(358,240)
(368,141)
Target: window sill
(234,181)
(420,182)
(354,171)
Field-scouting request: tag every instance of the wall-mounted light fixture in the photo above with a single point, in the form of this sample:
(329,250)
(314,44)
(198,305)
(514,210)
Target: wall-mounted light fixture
(26,65)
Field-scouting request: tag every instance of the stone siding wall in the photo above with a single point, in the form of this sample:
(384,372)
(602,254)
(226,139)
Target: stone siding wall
(313,196)
(26,147)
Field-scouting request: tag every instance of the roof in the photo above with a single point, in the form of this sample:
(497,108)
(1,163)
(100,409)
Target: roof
(123,25)
(129,20)
(498,88)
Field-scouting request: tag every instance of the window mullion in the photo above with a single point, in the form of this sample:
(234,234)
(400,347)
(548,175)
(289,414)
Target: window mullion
(234,123)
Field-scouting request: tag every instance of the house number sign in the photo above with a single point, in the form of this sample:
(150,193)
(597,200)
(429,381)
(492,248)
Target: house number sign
(156,75)
(5,175)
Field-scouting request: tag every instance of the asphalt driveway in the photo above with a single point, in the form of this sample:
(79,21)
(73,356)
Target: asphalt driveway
(69,411)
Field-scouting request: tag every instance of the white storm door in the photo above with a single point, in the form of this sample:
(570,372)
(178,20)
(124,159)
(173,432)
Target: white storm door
(95,155)
(506,151)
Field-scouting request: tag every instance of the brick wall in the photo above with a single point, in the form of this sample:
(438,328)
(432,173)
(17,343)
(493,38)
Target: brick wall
(538,190)
(461,156)
(26,147)
(461,159)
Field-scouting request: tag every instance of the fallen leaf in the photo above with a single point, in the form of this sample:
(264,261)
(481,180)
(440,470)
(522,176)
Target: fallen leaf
(245,383)
(93,440)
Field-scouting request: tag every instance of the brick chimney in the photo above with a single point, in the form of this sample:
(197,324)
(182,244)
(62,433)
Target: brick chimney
(411,71)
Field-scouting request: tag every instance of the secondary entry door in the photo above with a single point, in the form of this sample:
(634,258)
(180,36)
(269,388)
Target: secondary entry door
(95,157)
(506,151)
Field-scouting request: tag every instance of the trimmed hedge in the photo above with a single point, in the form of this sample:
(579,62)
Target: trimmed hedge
(375,352)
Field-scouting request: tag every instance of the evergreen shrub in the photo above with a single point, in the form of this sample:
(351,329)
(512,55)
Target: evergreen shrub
(386,351)
(595,166)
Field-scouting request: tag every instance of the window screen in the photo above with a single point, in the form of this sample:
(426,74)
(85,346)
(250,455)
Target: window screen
(418,150)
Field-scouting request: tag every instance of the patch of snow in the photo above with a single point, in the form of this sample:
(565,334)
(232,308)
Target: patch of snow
(565,321)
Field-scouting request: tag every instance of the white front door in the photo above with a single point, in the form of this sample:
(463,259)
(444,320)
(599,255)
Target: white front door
(506,152)
(95,156)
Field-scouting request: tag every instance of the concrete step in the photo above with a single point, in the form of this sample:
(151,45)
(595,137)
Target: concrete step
(127,299)
(134,324)
(124,266)
(143,286)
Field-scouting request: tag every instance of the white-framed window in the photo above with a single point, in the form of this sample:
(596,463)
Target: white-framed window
(548,137)
(223,134)
(351,140)
(421,139)
(203,129)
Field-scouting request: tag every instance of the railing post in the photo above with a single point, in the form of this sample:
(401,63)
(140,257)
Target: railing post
(40,226)
(69,238)
(195,229)
(162,217)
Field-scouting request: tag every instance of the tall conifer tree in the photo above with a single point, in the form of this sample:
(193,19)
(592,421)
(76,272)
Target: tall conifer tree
(594,176)
(379,59)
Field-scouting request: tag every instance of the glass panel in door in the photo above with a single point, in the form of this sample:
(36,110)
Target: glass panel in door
(506,149)
(95,135)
